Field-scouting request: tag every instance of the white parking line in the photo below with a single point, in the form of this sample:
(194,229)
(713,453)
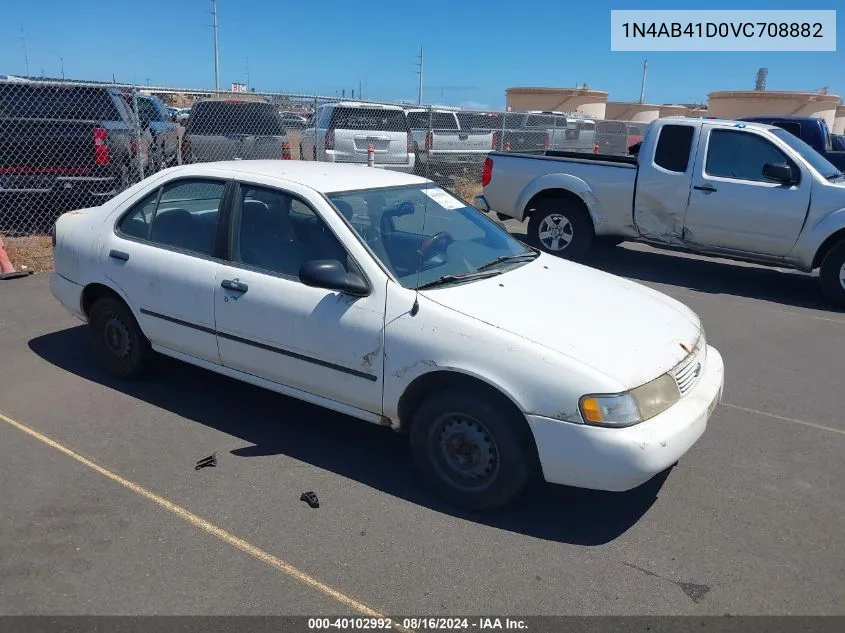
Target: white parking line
(783,418)
(208,527)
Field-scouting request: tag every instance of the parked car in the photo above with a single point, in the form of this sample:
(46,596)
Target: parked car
(746,191)
(611,137)
(811,130)
(234,129)
(318,282)
(293,121)
(165,133)
(440,142)
(342,133)
(510,132)
(64,146)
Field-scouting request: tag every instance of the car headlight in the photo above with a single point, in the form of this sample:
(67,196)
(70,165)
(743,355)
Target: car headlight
(630,407)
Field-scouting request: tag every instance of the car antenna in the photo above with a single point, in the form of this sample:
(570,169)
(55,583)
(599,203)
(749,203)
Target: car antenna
(416,307)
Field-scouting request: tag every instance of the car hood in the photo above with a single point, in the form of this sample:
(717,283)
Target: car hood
(625,330)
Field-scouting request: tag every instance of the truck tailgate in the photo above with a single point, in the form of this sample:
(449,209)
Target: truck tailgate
(461,142)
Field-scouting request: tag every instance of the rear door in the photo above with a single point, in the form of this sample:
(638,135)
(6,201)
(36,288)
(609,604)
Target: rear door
(356,128)
(733,206)
(161,257)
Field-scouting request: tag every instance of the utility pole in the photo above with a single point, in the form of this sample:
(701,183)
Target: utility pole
(62,62)
(420,73)
(247,74)
(214,28)
(360,90)
(642,84)
(25,52)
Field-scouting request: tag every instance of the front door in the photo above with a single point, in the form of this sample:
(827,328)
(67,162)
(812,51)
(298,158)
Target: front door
(160,257)
(733,206)
(271,325)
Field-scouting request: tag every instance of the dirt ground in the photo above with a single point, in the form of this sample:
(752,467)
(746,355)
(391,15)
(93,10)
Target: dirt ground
(34,252)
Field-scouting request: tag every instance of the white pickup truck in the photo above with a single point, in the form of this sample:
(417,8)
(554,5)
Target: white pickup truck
(440,142)
(744,191)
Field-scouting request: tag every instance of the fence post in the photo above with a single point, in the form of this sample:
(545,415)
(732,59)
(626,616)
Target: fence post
(371,155)
(504,126)
(137,132)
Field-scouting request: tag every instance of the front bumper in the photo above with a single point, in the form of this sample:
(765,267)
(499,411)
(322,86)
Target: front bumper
(621,459)
(68,293)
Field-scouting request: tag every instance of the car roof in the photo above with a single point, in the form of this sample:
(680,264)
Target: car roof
(362,104)
(320,176)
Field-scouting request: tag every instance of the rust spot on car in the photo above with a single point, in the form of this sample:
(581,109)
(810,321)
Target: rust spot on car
(399,373)
(385,421)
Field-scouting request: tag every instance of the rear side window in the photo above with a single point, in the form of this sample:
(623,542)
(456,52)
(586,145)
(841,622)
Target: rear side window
(543,121)
(478,121)
(792,127)
(673,147)
(182,214)
(223,118)
(611,127)
(55,102)
(377,119)
(439,120)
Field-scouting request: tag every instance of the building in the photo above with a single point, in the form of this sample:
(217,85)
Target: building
(589,102)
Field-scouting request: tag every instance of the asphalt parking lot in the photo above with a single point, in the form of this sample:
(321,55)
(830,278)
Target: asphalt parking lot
(104,513)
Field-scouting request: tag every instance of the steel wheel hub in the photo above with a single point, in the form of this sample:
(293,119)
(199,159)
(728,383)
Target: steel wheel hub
(117,337)
(842,276)
(468,450)
(555,232)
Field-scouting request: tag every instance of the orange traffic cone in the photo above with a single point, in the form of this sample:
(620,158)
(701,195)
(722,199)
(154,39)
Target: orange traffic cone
(5,264)
(7,271)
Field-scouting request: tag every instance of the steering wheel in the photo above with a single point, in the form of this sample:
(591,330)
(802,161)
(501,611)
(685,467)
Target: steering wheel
(438,240)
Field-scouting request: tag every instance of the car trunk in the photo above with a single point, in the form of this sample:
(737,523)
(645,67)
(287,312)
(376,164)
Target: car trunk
(356,129)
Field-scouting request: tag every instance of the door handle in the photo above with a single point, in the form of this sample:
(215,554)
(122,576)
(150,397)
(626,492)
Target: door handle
(124,257)
(707,188)
(233,284)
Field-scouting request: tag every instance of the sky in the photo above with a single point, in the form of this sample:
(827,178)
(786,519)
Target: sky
(473,50)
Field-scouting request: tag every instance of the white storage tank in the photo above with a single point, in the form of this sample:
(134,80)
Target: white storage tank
(631,111)
(589,102)
(743,103)
(839,120)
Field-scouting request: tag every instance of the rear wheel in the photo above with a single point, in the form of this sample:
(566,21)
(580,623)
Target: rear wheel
(832,274)
(561,227)
(117,340)
(471,452)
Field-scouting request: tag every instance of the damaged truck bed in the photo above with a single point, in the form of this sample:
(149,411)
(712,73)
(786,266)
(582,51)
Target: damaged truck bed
(732,189)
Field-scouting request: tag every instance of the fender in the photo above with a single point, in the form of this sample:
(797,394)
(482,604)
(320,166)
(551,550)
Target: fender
(811,239)
(570,183)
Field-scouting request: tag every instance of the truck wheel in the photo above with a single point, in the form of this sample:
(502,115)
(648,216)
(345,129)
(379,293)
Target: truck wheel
(469,451)
(832,275)
(118,342)
(562,228)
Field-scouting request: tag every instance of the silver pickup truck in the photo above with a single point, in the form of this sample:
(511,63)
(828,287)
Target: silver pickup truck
(441,142)
(745,191)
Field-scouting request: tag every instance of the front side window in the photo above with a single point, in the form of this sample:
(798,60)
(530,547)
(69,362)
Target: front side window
(422,233)
(274,231)
(740,155)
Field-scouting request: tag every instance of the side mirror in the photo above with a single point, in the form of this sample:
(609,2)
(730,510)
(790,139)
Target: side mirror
(331,275)
(779,172)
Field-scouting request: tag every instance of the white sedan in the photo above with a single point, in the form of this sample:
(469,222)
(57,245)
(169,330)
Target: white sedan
(385,297)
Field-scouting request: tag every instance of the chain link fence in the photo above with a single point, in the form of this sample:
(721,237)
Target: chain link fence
(69,145)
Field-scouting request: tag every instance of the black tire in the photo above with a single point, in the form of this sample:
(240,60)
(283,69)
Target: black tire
(571,228)
(498,466)
(832,275)
(118,342)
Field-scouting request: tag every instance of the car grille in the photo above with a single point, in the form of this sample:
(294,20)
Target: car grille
(689,370)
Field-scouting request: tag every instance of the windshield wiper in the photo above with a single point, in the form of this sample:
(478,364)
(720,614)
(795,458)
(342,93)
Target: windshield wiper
(453,279)
(508,258)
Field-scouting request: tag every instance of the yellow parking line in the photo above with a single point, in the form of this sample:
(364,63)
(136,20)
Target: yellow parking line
(783,418)
(196,521)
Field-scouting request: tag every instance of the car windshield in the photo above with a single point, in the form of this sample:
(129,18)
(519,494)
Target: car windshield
(816,160)
(423,233)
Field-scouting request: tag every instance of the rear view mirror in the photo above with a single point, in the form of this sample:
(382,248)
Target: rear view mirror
(779,172)
(331,275)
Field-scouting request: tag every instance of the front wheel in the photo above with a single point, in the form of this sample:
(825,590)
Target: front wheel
(832,275)
(470,451)
(562,228)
